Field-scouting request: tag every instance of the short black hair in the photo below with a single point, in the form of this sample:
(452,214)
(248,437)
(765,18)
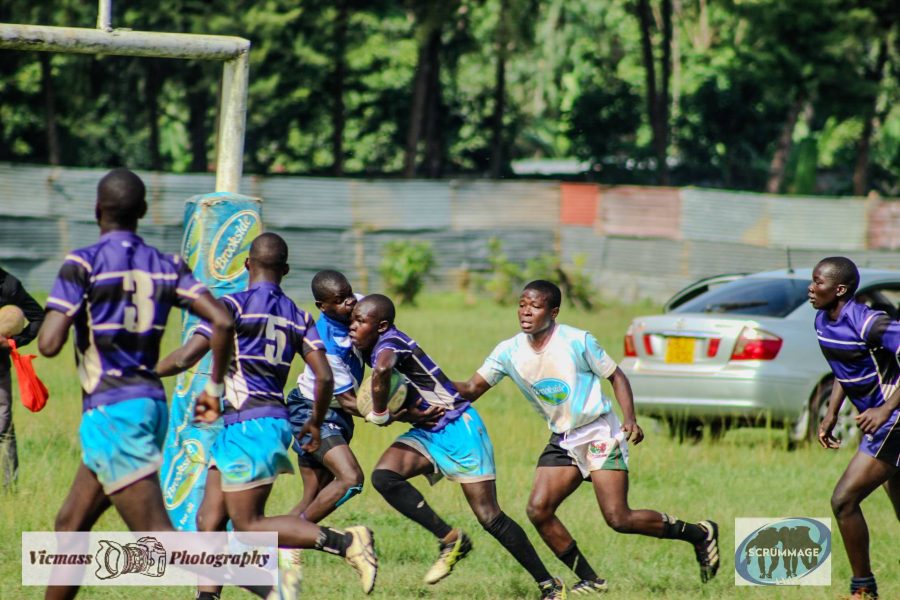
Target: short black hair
(269,250)
(327,282)
(548,289)
(845,272)
(382,306)
(121,197)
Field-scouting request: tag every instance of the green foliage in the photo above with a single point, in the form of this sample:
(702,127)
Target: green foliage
(405,265)
(506,278)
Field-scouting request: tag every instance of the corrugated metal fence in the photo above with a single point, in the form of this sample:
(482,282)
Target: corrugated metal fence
(640,242)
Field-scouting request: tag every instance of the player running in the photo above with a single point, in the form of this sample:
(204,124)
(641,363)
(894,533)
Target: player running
(862,347)
(269,330)
(117,293)
(559,370)
(456,447)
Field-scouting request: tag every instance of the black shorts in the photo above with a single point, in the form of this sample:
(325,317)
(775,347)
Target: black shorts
(316,460)
(555,455)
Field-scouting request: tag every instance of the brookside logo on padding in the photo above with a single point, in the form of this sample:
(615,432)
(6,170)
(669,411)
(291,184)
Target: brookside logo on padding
(782,551)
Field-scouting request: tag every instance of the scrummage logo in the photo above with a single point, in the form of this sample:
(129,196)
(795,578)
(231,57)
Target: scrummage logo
(790,551)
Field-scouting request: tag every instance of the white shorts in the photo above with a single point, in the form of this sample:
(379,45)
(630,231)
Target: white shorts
(598,445)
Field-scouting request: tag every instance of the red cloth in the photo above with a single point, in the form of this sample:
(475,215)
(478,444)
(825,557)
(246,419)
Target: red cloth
(32,390)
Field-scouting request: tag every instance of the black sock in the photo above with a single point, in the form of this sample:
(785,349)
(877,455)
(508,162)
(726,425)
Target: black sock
(866,583)
(513,538)
(676,529)
(406,499)
(333,541)
(207,595)
(575,560)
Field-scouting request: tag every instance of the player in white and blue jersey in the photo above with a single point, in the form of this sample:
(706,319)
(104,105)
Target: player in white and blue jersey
(559,369)
(456,446)
(331,475)
(862,346)
(117,294)
(254,446)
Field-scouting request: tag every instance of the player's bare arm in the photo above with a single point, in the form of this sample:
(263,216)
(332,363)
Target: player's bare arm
(872,419)
(473,389)
(323,390)
(624,396)
(182,359)
(347,400)
(209,309)
(828,422)
(54,333)
(381,381)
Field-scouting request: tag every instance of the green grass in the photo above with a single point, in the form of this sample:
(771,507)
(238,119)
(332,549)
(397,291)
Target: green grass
(747,474)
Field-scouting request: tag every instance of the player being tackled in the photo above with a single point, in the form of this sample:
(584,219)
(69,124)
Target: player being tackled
(269,330)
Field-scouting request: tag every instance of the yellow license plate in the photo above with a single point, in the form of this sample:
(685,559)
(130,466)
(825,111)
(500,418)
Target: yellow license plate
(680,350)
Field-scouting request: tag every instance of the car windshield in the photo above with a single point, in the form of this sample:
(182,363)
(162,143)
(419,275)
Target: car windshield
(750,296)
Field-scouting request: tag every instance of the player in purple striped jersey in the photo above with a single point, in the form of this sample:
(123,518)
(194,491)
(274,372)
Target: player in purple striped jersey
(457,447)
(862,346)
(254,447)
(117,293)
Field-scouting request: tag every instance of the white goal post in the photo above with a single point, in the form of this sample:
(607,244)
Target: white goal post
(233,51)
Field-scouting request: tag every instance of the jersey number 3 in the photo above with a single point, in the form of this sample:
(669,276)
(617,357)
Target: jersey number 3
(140,310)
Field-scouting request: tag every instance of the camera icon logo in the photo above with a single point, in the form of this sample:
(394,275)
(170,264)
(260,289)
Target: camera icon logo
(146,556)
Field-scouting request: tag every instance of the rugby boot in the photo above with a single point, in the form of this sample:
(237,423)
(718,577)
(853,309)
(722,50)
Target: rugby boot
(707,551)
(586,587)
(554,589)
(451,553)
(361,556)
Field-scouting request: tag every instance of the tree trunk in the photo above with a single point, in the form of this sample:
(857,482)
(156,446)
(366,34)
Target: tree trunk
(783,149)
(662,150)
(434,134)
(416,115)
(53,149)
(861,169)
(497,159)
(198,98)
(338,76)
(153,76)
(656,108)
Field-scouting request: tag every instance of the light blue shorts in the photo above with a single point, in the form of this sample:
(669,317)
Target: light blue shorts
(252,453)
(121,442)
(461,451)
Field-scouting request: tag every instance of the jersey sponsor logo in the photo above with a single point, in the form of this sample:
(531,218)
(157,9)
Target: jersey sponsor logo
(782,551)
(551,391)
(231,241)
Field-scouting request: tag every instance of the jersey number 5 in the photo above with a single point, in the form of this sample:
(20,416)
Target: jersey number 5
(139,310)
(276,339)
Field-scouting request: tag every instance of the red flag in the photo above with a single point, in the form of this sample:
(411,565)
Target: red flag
(32,390)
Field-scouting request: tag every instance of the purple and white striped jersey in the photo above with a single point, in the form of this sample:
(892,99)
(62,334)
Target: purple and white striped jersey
(862,348)
(422,374)
(269,329)
(119,292)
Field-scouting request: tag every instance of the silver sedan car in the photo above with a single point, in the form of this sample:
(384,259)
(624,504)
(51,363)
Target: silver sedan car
(741,349)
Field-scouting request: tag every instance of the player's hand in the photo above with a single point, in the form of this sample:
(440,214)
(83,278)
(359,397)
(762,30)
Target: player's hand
(428,417)
(634,433)
(826,440)
(871,419)
(208,408)
(4,342)
(315,437)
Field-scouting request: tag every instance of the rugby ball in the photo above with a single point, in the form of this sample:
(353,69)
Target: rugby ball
(12,320)
(395,401)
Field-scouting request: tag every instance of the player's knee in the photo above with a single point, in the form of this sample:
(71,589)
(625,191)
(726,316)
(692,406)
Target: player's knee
(386,481)
(494,523)
(619,521)
(538,511)
(65,521)
(349,492)
(842,504)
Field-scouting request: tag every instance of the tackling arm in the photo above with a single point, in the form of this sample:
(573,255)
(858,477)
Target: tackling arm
(381,385)
(474,388)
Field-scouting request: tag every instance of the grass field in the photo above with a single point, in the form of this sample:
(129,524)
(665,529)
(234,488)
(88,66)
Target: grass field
(748,474)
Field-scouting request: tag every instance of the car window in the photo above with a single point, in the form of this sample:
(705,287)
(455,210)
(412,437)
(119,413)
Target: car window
(751,296)
(886,298)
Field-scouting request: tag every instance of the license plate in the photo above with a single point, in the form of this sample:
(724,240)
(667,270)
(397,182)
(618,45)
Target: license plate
(680,350)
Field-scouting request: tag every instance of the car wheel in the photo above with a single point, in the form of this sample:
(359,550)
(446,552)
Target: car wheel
(805,429)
